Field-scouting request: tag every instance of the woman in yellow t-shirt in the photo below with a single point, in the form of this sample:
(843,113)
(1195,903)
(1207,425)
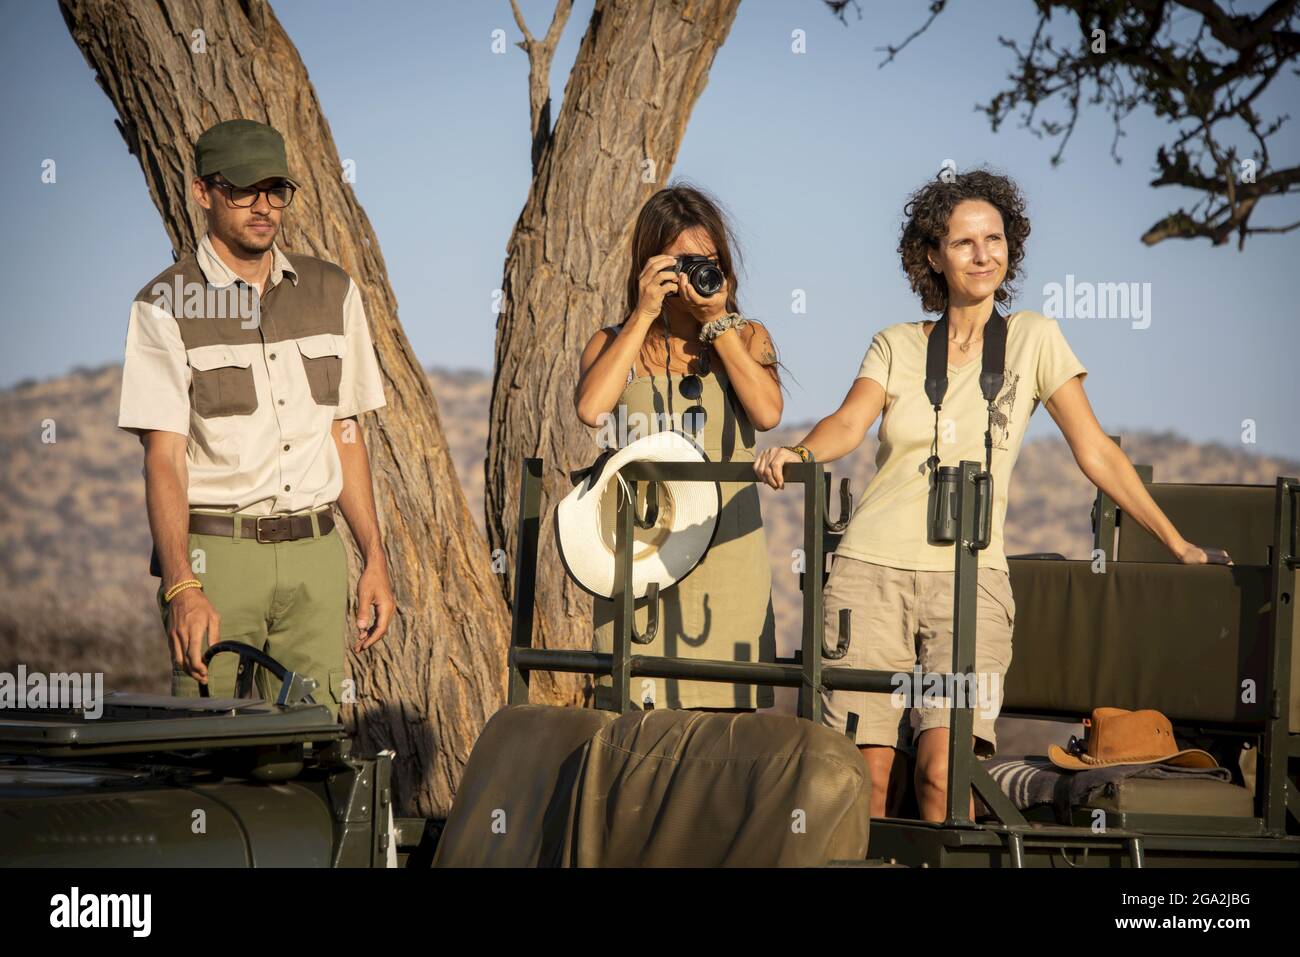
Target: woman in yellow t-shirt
(962,246)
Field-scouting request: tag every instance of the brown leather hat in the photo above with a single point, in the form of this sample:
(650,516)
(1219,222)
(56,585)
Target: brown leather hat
(1116,736)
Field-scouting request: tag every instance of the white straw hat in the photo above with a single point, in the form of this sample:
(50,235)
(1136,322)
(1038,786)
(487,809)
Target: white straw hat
(665,553)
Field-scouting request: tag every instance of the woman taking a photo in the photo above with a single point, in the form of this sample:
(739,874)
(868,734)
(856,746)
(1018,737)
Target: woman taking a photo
(962,247)
(679,352)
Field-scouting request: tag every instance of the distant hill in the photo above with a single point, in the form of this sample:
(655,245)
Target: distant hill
(75,592)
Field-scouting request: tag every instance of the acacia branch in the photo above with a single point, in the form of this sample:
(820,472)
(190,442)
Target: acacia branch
(838,6)
(540,54)
(936,8)
(1203,86)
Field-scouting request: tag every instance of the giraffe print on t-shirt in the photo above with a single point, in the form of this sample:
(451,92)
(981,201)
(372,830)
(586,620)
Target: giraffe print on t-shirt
(1002,408)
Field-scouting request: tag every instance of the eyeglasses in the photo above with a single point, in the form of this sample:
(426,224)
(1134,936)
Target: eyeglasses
(242,197)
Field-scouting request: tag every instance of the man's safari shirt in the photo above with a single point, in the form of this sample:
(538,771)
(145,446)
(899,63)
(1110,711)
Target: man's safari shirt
(255,384)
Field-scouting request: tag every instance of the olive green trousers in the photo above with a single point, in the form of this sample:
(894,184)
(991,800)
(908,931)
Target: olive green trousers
(288,599)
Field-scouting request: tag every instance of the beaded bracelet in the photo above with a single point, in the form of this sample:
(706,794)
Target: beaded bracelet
(180,587)
(711,330)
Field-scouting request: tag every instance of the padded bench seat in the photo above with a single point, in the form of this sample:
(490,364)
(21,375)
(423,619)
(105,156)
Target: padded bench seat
(1037,787)
(1177,638)
(1150,796)
(1153,806)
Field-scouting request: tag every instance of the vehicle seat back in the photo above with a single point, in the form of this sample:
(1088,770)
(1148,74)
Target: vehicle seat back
(666,788)
(512,805)
(1189,641)
(1238,518)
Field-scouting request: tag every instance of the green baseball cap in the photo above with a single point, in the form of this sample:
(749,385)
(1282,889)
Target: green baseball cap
(243,151)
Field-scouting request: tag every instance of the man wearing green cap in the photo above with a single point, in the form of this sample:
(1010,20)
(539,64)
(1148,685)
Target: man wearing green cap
(246,368)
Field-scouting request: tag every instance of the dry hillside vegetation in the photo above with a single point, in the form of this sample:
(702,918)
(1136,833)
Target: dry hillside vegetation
(75,591)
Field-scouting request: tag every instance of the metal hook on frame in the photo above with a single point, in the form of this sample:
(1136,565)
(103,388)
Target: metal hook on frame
(846,506)
(652,625)
(842,644)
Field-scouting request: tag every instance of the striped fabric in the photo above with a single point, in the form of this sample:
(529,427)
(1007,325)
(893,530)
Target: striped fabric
(1029,780)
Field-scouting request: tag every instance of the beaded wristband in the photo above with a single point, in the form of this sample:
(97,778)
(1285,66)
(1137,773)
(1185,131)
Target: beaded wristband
(180,587)
(711,330)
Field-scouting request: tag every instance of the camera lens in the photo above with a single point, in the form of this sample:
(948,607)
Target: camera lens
(707,279)
(703,274)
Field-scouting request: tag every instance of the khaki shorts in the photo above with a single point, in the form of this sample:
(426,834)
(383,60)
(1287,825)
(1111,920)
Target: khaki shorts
(902,619)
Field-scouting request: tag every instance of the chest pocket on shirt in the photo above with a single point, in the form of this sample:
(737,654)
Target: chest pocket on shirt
(322,360)
(221,382)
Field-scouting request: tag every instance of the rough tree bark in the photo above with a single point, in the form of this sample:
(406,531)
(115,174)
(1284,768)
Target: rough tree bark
(427,689)
(638,73)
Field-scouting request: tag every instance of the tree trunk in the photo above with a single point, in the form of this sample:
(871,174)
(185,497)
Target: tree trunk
(638,73)
(427,689)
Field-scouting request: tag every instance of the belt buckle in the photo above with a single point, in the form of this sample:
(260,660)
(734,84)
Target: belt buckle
(267,518)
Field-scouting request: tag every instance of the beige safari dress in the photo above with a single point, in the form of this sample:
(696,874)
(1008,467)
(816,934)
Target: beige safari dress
(723,608)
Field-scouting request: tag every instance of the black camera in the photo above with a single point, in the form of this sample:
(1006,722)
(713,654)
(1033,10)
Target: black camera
(943,528)
(702,273)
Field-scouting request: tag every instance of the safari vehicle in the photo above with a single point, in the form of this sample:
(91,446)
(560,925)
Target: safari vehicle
(1213,647)
(277,782)
(193,782)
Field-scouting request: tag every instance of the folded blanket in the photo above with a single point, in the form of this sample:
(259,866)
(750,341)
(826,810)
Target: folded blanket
(1032,780)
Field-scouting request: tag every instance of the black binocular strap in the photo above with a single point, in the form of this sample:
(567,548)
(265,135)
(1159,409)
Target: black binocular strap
(992,368)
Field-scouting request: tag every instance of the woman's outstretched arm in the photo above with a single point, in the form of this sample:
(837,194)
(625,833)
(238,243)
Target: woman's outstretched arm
(1108,468)
(834,436)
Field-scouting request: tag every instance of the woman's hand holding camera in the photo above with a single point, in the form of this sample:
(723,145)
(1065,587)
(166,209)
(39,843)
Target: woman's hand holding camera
(658,279)
(703,309)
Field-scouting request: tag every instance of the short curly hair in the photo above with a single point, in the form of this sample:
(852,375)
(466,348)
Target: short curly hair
(928,210)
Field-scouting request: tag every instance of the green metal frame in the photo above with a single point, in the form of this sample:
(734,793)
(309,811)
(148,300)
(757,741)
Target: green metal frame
(1145,839)
(1278,792)
(1136,840)
(1105,513)
(805,672)
(1279,745)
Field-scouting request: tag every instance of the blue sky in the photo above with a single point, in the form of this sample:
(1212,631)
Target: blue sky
(812,154)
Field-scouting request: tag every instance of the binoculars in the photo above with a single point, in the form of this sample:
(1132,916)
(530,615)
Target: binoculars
(945,483)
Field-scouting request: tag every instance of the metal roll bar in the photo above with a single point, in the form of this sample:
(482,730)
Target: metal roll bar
(804,672)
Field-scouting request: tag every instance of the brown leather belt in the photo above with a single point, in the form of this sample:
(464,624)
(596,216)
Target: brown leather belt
(267,529)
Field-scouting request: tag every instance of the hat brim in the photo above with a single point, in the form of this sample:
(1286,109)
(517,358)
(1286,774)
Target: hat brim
(664,554)
(246,174)
(1187,758)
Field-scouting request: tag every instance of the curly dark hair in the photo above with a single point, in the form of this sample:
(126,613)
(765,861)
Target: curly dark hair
(928,211)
